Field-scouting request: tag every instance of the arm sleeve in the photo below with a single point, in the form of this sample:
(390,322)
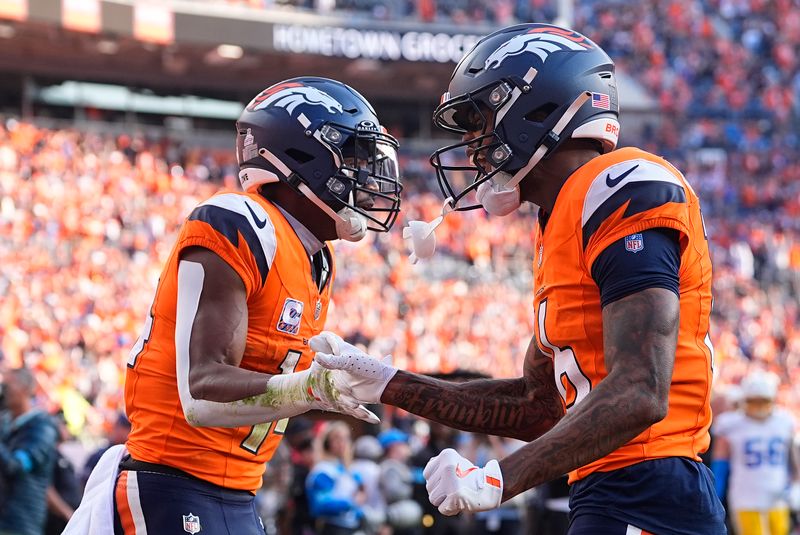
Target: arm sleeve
(649,259)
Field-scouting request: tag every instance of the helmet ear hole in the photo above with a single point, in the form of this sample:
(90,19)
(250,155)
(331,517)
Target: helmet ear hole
(540,114)
(299,156)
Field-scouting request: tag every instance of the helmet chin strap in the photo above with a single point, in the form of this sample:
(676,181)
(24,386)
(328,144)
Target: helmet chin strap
(554,135)
(350,225)
(503,196)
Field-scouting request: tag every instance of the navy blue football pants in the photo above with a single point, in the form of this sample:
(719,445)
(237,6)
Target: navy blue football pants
(671,496)
(165,504)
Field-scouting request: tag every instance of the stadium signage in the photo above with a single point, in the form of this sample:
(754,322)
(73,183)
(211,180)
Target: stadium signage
(386,45)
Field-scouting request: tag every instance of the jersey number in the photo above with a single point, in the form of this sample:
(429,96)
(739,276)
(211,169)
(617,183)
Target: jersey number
(259,432)
(760,450)
(572,383)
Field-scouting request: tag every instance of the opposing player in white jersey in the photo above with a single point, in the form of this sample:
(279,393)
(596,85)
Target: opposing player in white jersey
(753,452)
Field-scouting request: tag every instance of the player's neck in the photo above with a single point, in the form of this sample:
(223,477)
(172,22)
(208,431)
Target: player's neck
(302,209)
(543,187)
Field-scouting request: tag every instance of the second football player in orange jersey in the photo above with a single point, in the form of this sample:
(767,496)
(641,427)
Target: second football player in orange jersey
(224,359)
(617,378)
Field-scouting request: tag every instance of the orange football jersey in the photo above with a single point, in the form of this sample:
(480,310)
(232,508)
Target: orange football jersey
(615,196)
(285,308)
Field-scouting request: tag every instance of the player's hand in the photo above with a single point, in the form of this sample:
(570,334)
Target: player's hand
(454,484)
(362,376)
(321,386)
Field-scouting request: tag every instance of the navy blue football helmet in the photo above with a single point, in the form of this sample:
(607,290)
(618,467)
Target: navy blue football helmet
(539,85)
(323,139)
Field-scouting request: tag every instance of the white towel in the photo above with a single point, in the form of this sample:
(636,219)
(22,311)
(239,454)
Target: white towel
(95,515)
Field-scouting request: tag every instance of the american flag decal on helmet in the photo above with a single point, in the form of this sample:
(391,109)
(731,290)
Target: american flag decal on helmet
(601,100)
(540,41)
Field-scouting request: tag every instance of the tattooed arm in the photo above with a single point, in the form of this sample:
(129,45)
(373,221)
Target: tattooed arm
(639,340)
(522,408)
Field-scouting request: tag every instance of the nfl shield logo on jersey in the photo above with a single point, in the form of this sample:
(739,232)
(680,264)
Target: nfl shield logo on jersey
(634,243)
(292,312)
(191,523)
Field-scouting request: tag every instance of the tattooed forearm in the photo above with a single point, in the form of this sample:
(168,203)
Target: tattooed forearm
(522,408)
(495,407)
(640,336)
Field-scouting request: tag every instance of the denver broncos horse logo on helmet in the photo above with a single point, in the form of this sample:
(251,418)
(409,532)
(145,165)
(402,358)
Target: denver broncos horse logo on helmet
(292,94)
(539,41)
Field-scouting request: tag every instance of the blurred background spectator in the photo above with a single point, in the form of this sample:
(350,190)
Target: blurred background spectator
(65,490)
(335,494)
(367,451)
(28,438)
(397,483)
(273,497)
(300,440)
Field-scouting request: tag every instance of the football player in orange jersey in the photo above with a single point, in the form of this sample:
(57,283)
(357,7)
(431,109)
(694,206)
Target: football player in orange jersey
(617,378)
(224,359)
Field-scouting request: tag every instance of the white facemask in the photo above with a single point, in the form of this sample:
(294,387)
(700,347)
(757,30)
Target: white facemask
(351,225)
(496,198)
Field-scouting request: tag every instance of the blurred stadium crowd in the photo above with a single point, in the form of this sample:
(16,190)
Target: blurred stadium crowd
(88,219)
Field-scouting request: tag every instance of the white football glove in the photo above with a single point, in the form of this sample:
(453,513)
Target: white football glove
(323,393)
(356,373)
(455,484)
